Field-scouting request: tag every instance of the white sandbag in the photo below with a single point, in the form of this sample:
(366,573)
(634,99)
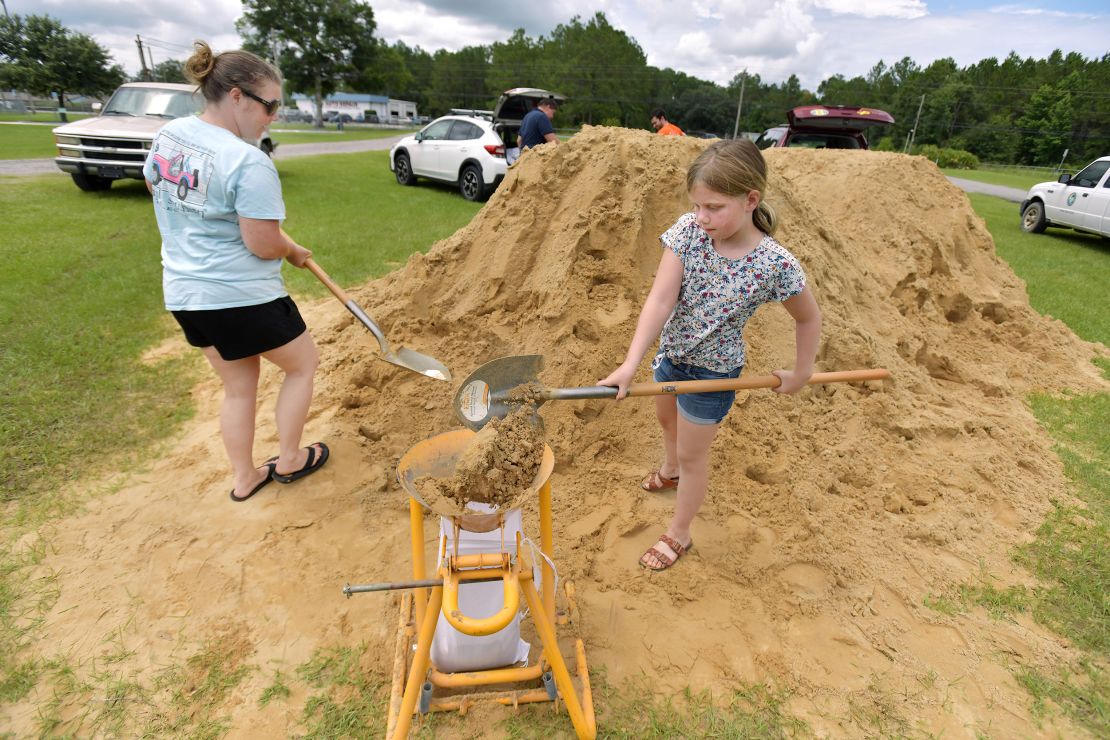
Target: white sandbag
(454,651)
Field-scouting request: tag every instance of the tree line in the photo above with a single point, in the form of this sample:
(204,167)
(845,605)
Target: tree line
(1017,110)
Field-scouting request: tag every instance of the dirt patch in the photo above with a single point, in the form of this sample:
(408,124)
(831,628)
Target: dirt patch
(833,516)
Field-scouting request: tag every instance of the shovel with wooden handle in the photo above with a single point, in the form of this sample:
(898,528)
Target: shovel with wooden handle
(401,357)
(501,386)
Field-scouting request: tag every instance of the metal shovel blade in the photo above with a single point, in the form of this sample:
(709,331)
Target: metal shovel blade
(402,356)
(406,358)
(484,395)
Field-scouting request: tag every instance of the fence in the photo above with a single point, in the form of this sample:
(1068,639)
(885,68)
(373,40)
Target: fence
(17,102)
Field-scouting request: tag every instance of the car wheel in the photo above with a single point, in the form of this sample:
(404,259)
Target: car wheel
(182,188)
(157,176)
(471,184)
(403,169)
(1032,218)
(91,183)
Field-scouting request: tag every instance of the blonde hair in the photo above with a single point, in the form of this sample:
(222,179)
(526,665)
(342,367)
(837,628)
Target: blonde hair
(215,74)
(735,167)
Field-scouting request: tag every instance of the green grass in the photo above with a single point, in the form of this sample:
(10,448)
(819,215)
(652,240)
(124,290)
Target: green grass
(82,300)
(35,142)
(1016,177)
(1066,272)
(312,137)
(42,117)
(26,142)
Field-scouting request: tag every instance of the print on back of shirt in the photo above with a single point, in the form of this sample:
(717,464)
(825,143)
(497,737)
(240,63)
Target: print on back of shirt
(180,173)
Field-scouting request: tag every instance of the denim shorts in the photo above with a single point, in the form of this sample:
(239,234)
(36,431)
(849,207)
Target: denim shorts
(697,408)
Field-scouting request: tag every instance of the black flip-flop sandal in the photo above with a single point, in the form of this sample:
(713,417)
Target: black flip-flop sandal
(311,465)
(259,487)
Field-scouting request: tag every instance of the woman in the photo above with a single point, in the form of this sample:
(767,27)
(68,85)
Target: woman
(218,202)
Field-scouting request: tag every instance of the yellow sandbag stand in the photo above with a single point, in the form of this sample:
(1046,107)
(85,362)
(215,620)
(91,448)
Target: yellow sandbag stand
(420,606)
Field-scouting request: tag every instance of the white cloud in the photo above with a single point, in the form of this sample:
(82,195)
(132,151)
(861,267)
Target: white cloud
(874,8)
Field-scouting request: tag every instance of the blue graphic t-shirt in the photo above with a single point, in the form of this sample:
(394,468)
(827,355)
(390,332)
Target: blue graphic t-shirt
(719,295)
(205,178)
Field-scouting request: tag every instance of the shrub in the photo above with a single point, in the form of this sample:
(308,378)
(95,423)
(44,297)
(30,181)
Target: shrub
(953,158)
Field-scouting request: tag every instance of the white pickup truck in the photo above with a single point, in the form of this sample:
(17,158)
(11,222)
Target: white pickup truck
(1081,202)
(114,145)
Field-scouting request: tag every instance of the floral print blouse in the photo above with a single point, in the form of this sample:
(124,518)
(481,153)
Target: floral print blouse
(719,295)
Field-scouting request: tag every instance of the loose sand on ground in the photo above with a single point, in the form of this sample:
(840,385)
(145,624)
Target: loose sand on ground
(831,515)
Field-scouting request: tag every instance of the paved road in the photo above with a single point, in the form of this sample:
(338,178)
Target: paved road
(1001,191)
(284,151)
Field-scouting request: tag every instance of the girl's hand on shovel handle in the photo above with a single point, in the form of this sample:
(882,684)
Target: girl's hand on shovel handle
(791,381)
(620,378)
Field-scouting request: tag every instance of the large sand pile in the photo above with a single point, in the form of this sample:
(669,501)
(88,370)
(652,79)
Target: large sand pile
(831,514)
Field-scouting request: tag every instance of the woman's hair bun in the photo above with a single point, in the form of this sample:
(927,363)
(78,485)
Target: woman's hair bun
(201,63)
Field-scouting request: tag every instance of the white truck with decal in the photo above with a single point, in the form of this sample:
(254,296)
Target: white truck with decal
(1080,202)
(113,145)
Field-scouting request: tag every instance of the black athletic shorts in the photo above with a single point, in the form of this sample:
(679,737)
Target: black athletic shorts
(243,331)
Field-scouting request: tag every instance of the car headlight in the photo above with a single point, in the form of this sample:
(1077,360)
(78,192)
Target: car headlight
(69,152)
(67,139)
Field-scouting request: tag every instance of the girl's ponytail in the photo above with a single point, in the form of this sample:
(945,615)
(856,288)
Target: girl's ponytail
(764,218)
(735,167)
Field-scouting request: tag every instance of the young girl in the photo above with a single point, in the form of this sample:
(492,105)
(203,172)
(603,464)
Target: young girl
(720,263)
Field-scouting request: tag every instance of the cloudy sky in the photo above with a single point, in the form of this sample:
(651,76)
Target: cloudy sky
(710,39)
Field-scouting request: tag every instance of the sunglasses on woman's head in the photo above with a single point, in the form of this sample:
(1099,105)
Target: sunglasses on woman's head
(271,106)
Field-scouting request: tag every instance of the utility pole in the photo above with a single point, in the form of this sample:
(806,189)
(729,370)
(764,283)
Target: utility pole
(150,54)
(736,126)
(913,131)
(142,58)
(274,59)
(6,9)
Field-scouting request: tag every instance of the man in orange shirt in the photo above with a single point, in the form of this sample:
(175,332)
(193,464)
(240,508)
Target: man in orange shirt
(660,123)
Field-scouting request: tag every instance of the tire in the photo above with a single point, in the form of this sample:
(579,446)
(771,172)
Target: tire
(182,188)
(157,175)
(1032,218)
(471,185)
(402,168)
(91,183)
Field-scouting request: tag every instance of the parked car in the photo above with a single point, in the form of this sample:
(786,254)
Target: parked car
(825,127)
(466,148)
(456,149)
(113,145)
(1081,202)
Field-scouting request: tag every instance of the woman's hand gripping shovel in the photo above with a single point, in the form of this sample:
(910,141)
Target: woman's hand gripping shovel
(401,357)
(504,385)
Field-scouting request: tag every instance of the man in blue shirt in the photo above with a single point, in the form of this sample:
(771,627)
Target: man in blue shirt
(536,128)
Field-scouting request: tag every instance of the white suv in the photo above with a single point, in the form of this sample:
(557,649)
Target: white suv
(459,149)
(1081,202)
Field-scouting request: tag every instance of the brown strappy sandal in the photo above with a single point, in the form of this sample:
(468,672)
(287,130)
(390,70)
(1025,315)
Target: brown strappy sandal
(666,560)
(656,481)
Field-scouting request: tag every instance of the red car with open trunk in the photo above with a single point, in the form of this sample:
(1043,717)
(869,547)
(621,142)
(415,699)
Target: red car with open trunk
(825,127)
